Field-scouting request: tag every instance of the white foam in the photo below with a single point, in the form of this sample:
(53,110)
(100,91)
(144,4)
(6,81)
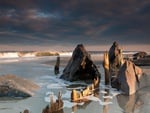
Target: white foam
(110,97)
(104,103)
(69,104)
(67,94)
(93,98)
(115,93)
(97,100)
(47,99)
(103,92)
(54,86)
(65,54)
(76,88)
(49,93)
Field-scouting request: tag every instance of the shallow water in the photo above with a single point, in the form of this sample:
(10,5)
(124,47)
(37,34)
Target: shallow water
(40,70)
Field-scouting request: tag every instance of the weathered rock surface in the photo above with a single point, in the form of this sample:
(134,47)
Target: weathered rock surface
(143,61)
(13,86)
(139,55)
(80,66)
(115,60)
(131,78)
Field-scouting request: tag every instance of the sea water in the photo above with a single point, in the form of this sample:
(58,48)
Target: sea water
(41,71)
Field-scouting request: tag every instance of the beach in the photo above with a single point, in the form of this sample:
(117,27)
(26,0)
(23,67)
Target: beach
(41,71)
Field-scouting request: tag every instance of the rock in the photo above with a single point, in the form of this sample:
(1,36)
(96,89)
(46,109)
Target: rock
(141,59)
(54,107)
(115,60)
(139,55)
(79,96)
(80,66)
(13,86)
(56,68)
(144,61)
(130,78)
(26,111)
(106,68)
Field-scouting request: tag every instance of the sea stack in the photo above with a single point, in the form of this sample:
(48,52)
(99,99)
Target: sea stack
(115,60)
(80,66)
(124,74)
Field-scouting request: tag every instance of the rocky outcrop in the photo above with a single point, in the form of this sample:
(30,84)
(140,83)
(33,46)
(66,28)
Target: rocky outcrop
(13,86)
(139,55)
(124,75)
(80,66)
(129,78)
(141,59)
(106,68)
(115,60)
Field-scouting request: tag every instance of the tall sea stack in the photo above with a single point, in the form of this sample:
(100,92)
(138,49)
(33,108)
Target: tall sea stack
(80,66)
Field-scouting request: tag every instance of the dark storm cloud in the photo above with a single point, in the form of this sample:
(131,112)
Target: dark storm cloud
(74,21)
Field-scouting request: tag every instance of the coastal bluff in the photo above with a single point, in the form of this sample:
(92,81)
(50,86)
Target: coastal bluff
(13,86)
(80,66)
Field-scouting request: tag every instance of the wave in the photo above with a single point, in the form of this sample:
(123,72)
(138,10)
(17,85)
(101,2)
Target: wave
(32,54)
(13,54)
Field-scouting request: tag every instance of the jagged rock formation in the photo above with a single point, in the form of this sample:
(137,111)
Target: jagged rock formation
(129,77)
(141,59)
(54,107)
(13,86)
(89,90)
(80,66)
(106,68)
(115,60)
(124,75)
(139,55)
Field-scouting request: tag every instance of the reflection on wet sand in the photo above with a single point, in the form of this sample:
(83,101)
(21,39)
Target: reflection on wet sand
(134,102)
(106,107)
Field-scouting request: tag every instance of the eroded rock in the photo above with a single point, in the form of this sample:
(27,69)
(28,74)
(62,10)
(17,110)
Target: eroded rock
(13,86)
(80,66)
(131,78)
(115,60)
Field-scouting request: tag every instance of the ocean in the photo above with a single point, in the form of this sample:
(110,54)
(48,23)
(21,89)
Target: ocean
(41,71)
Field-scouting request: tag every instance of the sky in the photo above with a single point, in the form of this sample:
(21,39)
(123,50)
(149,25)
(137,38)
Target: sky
(62,24)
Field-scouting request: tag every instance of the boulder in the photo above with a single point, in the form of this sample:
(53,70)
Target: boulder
(80,66)
(13,86)
(129,77)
